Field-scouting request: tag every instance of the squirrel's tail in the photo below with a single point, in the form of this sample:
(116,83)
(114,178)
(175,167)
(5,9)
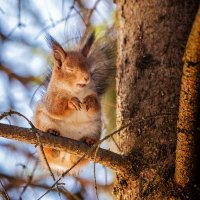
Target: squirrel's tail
(102,60)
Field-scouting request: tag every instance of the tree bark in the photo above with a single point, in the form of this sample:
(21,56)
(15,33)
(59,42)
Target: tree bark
(151,40)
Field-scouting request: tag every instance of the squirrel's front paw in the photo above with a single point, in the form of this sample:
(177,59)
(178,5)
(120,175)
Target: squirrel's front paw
(75,103)
(90,101)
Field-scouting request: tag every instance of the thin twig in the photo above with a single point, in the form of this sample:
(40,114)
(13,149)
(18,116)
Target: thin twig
(46,161)
(69,195)
(13,181)
(30,178)
(19,13)
(44,156)
(91,12)
(80,15)
(19,23)
(87,21)
(71,9)
(95,178)
(12,30)
(4,190)
(2,11)
(11,112)
(56,22)
(49,14)
(116,143)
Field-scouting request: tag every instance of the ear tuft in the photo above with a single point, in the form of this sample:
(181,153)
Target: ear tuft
(50,40)
(86,48)
(58,51)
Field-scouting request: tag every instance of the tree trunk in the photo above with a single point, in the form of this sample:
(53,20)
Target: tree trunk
(151,41)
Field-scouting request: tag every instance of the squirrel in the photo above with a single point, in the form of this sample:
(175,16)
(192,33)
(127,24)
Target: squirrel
(71,106)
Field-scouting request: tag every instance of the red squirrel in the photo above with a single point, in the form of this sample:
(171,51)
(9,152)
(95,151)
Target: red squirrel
(71,107)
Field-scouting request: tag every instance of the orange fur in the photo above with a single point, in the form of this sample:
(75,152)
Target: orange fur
(52,156)
(70,105)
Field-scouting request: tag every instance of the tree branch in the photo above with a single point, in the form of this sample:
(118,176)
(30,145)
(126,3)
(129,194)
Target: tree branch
(116,162)
(23,79)
(188,109)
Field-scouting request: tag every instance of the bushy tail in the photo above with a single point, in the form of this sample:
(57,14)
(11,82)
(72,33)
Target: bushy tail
(102,60)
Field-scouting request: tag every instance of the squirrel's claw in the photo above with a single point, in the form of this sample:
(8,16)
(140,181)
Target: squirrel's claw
(53,132)
(88,140)
(90,101)
(75,103)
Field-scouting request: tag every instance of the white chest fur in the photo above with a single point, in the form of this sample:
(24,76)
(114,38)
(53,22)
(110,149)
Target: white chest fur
(80,124)
(77,124)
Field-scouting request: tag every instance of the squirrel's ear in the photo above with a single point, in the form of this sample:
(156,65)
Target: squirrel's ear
(58,51)
(88,44)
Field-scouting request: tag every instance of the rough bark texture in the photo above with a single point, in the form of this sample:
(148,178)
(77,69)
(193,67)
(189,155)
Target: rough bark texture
(186,150)
(151,40)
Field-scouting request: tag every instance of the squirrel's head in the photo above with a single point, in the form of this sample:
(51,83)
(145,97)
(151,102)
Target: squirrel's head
(71,68)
